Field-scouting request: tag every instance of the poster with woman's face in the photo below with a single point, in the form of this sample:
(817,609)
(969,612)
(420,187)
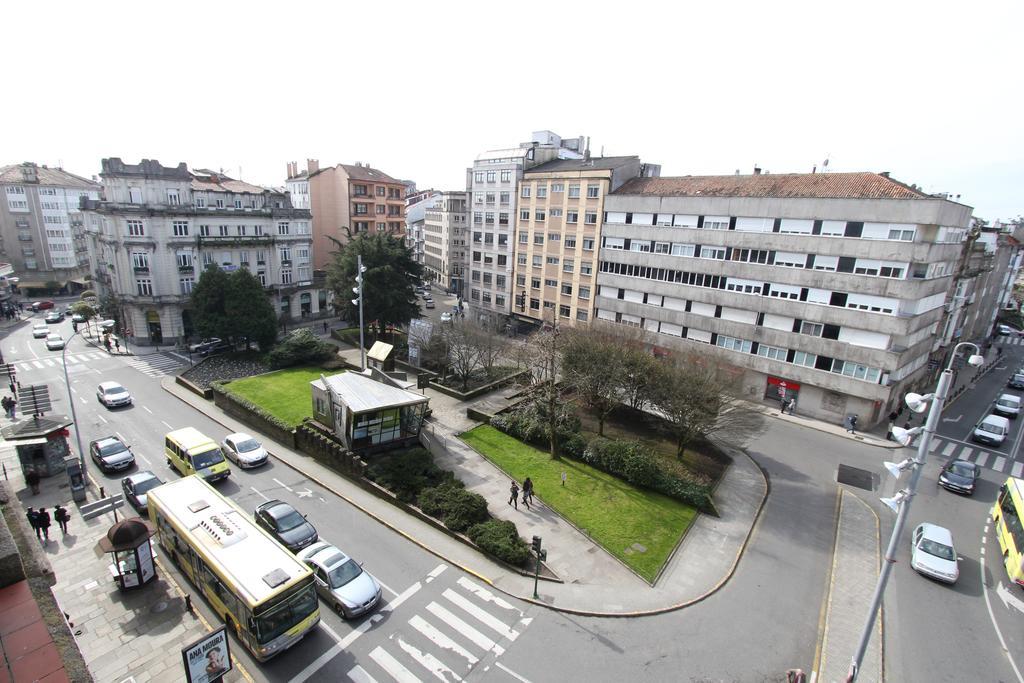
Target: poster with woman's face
(208,658)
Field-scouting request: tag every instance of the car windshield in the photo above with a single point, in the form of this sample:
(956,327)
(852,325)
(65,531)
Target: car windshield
(937,549)
(961,469)
(988,427)
(207,459)
(344,572)
(112,449)
(288,520)
(1006,402)
(286,614)
(247,445)
(116,389)
(146,484)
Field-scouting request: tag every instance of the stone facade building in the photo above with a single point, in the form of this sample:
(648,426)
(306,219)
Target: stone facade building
(156,228)
(444,236)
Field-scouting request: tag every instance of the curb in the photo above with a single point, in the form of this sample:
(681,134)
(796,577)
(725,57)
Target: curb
(819,426)
(565,610)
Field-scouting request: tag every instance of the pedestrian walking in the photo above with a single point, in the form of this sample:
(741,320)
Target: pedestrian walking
(563,478)
(6,403)
(60,514)
(514,494)
(44,523)
(893,416)
(117,344)
(853,424)
(106,343)
(33,520)
(527,491)
(792,405)
(325,327)
(32,479)
(14,405)
(782,408)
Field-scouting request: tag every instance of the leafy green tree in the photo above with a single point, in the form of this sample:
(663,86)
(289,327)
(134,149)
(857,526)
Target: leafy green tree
(83,309)
(210,304)
(592,363)
(250,314)
(388,283)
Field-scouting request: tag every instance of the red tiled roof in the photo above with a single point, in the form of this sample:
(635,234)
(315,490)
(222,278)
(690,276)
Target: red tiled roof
(784,185)
(46,176)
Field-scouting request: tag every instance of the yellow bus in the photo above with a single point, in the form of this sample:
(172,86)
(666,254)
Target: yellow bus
(1007,514)
(190,451)
(264,594)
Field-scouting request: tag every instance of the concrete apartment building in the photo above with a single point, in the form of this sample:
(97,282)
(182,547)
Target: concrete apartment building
(982,286)
(357,197)
(41,231)
(157,227)
(416,206)
(492,184)
(444,234)
(826,287)
(558,232)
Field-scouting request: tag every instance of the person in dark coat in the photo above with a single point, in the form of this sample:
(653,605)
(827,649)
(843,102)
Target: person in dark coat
(32,479)
(33,520)
(514,494)
(60,514)
(44,523)
(527,491)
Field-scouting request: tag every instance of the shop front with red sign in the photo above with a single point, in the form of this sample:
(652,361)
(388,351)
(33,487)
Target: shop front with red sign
(778,389)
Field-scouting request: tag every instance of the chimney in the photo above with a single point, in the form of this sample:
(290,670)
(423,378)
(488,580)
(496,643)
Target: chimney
(312,166)
(29,172)
(884,174)
(814,169)
(757,170)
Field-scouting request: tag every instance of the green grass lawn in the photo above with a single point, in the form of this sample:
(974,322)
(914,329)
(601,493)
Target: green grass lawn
(615,514)
(284,393)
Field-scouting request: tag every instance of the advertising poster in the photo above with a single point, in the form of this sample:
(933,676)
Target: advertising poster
(207,659)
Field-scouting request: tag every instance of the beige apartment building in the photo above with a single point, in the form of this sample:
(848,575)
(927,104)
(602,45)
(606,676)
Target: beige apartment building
(558,234)
(358,197)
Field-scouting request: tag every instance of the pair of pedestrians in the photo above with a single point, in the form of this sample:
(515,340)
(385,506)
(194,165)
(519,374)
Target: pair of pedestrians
(40,521)
(527,493)
(9,405)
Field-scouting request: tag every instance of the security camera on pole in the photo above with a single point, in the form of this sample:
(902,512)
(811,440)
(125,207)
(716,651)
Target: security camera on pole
(900,503)
(358,289)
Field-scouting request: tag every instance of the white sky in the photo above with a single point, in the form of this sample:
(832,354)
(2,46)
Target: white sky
(930,91)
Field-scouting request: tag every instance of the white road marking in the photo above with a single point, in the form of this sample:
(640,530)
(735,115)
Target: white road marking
(982,458)
(339,645)
(516,676)
(392,666)
(486,595)
(481,615)
(992,617)
(359,675)
(948,450)
(478,639)
(429,662)
(282,484)
(147,410)
(441,640)
(99,416)
(168,426)
(258,493)
(74,391)
(998,465)
(406,594)
(1017,470)
(385,587)
(37,364)
(436,572)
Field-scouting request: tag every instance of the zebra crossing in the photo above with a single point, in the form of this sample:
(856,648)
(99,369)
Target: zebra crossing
(153,365)
(1015,340)
(946,450)
(445,639)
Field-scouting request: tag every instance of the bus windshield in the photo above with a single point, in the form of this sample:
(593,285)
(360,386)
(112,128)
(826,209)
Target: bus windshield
(286,613)
(209,458)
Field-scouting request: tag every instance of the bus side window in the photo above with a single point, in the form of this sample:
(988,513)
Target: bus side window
(169,445)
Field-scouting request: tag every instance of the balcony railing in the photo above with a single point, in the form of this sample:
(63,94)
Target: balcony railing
(186,269)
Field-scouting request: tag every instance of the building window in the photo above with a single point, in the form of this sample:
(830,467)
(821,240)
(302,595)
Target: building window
(200,202)
(588,244)
(593,191)
(590,218)
(478,218)
(184,259)
(567,289)
(144,286)
(240,230)
(714,253)
(521,259)
(499,281)
(806,359)
(362,209)
(173,198)
(490,176)
(584,293)
(574,192)
(380,191)
(524,214)
(180,228)
(140,260)
(478,177)
(539,215)
(359,190)
(381,209)
(542,190)
(568,265)
(552,260)
(581,316)
(286,276)
(503,218)
(520,280)
(262,277)
(208,259)
(555,213)
(222,230)
(506,176)
(503,197)
(220,203)
(558,187)
(563,311)
(554,237)
(135,228)
(524,237)
(586,268)
(535,283)
(572,216)
(525,191)
(570,242)
(811,329)
(489,218)
(538,260)
(187,283)
(902,235)
(238,203)
(734,344)
(773,352)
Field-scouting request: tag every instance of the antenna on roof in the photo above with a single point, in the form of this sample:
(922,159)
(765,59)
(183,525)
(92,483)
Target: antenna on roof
(824,164)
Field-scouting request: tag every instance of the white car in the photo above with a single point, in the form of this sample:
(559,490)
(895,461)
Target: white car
(244,450)
(112,394)
(932,553)
(340,580)
(446,317)
(40,331)
(54,342)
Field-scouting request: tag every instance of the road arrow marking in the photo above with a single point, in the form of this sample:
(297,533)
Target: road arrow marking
(953,419)
(304,494)
(1009,599)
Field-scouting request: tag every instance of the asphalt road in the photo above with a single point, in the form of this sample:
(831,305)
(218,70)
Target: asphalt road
(438,622)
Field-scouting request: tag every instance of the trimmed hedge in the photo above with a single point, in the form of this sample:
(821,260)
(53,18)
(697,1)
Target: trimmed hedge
(406,473)
(526,423)
(450,502)
(501,539)
(300,347)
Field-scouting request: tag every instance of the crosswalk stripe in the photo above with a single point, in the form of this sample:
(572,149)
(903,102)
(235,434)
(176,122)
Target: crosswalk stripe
(982,458)
(1017,469)
(72,360)
(998,466)
(440,639)
(483,616)
(359,675)
(38,364)
(429,662)
(25,366)
(479,639)
(392,666)
(486,595)
(948,450)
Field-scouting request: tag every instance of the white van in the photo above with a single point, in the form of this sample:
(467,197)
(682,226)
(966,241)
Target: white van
(992,429)
(1008,405)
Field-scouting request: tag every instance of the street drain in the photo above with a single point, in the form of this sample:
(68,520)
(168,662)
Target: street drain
(854,476)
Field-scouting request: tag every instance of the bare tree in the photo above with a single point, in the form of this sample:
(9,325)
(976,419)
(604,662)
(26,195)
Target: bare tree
(463,344)
(492,342)
(541,359)
(592,364)
(700,399)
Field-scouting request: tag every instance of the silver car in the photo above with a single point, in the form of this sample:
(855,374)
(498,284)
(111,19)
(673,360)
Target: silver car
(112,394)
(340,580)
(244,450)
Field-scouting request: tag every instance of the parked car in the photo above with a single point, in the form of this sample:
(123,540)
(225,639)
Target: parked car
(428,303)
(1006,329)
(194,348)
(1007,405)
(112,395)
(136,486)
(992,429)
(54,342)
(53,317)
(1016,381)
(111,454)
(446,317)
(77,318)
(41,305)
(341,581)
(284,523)
(40,331)
(960,476)
(67,311)
(932,553)
(244,450)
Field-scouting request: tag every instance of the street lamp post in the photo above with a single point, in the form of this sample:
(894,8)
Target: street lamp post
(358,289)
(902,500)
(71,401)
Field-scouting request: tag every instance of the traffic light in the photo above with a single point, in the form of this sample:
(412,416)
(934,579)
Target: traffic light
(536,544)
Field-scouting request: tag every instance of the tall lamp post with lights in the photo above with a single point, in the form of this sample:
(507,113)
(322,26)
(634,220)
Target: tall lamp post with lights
(71,401)
(358,290)
(900,503)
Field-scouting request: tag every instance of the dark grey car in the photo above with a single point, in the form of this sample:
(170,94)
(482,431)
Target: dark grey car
(136,486)
(286,525)
(960,476)
(111,454)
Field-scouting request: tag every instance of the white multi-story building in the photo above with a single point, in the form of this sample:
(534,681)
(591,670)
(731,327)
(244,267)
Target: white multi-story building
(831,286)
(41,232)
(297,184)
(444,236)
(491,184)
(158,227)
